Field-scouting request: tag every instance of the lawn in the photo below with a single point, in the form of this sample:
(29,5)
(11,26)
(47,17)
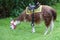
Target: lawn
(23,30)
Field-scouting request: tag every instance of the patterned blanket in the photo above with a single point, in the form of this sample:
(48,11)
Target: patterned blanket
(35,10)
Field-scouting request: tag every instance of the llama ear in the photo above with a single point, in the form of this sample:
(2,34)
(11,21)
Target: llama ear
(11,18)
(29,4)
(38,3)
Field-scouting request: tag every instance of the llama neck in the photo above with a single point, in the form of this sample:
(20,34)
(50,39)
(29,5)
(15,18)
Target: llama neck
(16,22)
(21,17)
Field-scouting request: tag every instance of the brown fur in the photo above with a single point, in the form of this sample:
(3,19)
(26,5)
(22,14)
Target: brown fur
(47,14)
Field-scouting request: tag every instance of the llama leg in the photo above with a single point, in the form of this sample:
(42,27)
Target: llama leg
(51,25)
(33,28)
(47,23)
(46,31)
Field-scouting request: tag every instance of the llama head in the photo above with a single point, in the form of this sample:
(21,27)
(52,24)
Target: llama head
(13,24)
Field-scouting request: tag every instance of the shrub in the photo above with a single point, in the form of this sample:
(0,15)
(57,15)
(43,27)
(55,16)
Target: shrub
(15,7)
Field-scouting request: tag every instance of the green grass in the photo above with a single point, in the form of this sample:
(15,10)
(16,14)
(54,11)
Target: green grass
(23,31)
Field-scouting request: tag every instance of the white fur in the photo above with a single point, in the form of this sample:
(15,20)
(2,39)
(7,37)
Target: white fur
(12,27)
(46,31)
(33,29)
(12,21)
(51,27)
(15,23)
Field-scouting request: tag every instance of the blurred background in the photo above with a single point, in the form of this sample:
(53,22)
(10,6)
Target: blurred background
(12,8)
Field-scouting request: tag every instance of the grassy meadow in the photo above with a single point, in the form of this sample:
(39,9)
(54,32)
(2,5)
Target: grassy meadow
(23,30)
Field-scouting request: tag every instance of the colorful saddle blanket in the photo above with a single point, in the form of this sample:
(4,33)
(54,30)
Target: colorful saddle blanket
(35,10)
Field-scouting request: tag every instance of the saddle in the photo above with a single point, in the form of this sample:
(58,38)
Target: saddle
(39,9)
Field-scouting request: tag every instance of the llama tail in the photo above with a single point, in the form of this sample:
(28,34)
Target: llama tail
(54,14)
